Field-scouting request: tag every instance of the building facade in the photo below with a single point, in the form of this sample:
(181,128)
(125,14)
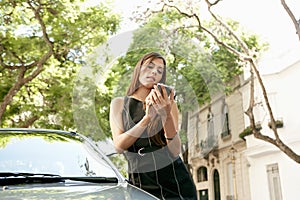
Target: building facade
(220,169)
(226,166)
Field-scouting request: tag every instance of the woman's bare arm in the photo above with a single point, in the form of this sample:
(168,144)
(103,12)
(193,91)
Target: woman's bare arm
(123,140)
(171,130)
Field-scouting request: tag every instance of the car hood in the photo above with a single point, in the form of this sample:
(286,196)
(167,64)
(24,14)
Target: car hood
(86,191)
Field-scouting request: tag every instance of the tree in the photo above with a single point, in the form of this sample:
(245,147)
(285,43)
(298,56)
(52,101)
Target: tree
(42,46)
(245,53)
(191,69)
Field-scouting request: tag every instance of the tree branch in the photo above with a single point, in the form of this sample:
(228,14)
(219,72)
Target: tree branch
(29,122)
(239,54)
(291,15)
(22,80)
(247,56)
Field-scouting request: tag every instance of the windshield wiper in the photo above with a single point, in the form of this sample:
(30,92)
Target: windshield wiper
(13,178)
(9,178)
(95,179)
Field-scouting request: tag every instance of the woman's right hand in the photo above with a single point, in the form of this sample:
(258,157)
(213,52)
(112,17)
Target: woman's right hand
(150,110)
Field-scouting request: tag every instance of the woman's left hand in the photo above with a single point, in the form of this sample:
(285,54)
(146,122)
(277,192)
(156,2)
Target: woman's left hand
(161,101)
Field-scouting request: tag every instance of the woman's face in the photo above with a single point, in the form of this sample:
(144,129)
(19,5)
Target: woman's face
(151,72)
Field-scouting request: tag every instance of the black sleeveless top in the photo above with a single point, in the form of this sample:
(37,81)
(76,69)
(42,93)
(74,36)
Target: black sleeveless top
(133,112)
(152,167)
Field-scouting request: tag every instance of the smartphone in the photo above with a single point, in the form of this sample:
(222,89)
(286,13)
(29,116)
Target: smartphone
(168,88)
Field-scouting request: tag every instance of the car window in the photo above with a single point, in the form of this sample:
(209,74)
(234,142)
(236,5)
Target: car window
(47,154)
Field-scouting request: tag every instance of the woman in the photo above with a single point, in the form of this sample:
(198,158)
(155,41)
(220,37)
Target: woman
(144,126)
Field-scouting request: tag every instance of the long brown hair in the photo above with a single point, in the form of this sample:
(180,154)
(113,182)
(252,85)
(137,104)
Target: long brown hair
(156,123)
(135,83)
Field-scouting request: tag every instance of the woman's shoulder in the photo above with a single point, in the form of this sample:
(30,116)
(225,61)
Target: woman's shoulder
(117,100)
(117,104)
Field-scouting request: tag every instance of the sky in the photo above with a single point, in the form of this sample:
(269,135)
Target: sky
(266,18)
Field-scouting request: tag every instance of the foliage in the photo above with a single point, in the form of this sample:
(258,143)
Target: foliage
(7,137)
(278,123)
(43,44)
(189,63)
(248,131)
(121,163)
(198,68)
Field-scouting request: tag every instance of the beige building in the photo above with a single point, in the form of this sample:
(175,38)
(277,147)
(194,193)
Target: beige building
(228,167)
(219,168)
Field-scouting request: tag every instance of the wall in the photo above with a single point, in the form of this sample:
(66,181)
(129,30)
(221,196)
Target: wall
(282,88)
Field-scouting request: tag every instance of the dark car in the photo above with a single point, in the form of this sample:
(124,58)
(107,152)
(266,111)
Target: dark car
(51,164)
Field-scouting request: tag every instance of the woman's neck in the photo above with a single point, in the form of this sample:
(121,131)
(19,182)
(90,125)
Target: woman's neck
(141,93)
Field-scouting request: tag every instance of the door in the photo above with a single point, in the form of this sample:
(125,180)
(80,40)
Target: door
(217,185)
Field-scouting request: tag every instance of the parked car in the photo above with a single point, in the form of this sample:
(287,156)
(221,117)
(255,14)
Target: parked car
(52,164)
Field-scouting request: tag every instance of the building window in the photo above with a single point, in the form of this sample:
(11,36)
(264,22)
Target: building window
(210,123)
(274,182)
(210,129)
(198,128)
(202,174)
(225,122)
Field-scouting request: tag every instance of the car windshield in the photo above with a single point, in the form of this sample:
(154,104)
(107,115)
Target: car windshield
(65,155)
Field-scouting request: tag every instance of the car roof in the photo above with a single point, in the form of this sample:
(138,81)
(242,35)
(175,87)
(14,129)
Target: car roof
(37,130)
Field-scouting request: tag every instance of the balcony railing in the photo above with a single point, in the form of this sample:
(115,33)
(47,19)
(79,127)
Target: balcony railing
(208,144)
